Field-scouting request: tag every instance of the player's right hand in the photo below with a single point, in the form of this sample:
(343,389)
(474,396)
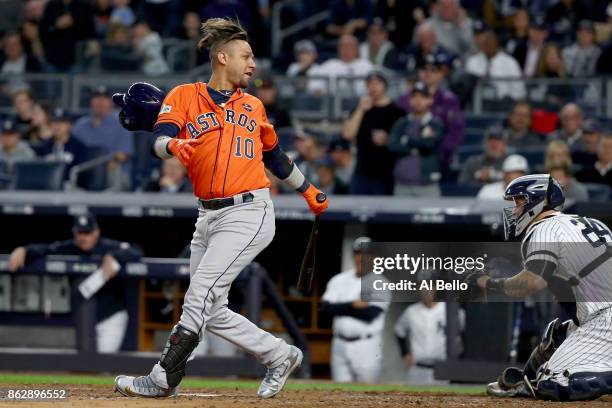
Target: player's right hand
(182,149)
(17,259)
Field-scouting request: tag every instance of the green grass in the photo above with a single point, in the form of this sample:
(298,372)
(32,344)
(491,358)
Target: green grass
(242,384)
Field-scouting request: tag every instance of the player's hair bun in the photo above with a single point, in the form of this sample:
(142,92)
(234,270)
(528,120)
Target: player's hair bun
(218,31)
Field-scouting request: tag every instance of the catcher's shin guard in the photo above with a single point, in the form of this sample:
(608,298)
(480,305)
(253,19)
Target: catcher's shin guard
(553,336)
(178,348)
(580,387)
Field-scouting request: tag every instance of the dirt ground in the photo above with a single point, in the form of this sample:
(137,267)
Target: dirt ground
(103,397)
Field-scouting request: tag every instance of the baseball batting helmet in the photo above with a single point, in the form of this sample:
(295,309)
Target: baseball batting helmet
(542,193)
(140,106)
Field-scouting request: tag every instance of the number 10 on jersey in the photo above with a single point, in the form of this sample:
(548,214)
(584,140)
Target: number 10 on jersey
(244,147)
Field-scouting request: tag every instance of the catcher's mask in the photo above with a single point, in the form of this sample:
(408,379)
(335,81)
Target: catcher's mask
(541,193)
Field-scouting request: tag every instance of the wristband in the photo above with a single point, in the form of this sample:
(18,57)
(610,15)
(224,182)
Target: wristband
(160,147)
(495,285)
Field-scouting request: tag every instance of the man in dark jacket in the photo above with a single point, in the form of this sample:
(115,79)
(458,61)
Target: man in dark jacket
(64,23)
(415,139)
(87,243)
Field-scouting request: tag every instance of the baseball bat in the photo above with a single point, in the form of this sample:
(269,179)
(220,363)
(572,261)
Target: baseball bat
(307,269)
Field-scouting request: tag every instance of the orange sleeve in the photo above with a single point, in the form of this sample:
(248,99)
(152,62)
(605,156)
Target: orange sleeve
(175,106)
(269,139)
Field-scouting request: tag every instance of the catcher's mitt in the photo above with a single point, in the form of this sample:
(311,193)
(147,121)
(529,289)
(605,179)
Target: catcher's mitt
(473,291)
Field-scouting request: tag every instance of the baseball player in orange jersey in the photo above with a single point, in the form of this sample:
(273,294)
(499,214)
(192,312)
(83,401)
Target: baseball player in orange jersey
(221,134)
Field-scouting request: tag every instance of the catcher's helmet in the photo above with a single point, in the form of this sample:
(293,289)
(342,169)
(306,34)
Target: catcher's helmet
(140,106)
(542,193)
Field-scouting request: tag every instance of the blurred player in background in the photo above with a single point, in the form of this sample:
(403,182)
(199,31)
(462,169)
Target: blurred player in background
(572,256)
(358,325)
(421,336)
(87,242)
(224,139)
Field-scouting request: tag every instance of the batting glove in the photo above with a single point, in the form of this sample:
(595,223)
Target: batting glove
(316,199)
(182,149)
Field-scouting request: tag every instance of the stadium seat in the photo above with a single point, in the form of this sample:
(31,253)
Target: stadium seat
(39,175)
(535,157)
(598,192)
(459,190)
(481,121)
(463,152)
(473,137)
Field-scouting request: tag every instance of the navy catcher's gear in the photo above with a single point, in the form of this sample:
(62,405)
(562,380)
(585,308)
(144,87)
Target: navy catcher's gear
(554,334)
(179,347)
(542,193)
(580,387)
(140,106)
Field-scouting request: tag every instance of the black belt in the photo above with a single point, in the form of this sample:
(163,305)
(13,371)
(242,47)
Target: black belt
(219,203)
(346,338)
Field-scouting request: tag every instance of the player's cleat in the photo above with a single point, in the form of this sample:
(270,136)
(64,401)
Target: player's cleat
(521,390)
(142,387)
(276,377)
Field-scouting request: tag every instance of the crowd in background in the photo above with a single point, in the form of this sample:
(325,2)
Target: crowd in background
(413,145)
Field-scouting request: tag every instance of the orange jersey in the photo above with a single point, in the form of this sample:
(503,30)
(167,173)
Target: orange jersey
(230,159)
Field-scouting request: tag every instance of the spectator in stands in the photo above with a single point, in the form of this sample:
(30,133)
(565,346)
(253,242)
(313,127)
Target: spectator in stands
(309,152)
(40,126)
(62,147)
(123,14)
(32,43)
(116,52)
(446,106)
(480,29)
(563,17)
(601,171)
(573,189)
(486,167)
(553,66)
(401,18)
(368,127)
(348,64)
(343,159)
(426,44)
(64,23)
(305,53)
(452,26)
(415,139)
(14,59)
(23,105)
(530,53)
(12,15)
(572,121)
(328,181)
(349,17)
(87,242)
(519,31)
(584,153)
(102,13)
(268,94)
(12,148)
(173,179)
(191,26)
(149,46)
(377,48)
(557,154)
(581,57)
(101,129)
(518,128)
(163,15)
(514,167)
(492,63)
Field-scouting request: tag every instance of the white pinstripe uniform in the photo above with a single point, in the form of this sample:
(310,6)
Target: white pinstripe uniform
(581,249)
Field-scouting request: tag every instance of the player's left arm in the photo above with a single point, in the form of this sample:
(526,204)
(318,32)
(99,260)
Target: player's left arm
(279,164)
(520,285)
